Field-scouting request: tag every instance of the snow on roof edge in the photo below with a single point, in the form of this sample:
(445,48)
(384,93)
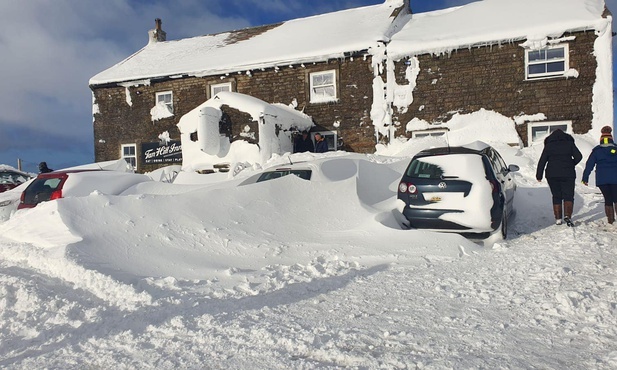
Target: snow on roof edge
(448,48)
(446,30)
(234,69)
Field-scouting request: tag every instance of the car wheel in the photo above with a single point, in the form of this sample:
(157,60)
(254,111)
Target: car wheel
(504,223)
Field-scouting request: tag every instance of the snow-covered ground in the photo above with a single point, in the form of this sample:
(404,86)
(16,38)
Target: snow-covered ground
(296,274)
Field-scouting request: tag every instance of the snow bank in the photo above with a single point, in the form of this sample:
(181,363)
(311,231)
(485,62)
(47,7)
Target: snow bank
(483,125)
(304,274)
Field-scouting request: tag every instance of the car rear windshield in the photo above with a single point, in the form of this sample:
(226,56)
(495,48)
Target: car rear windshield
(443,166)
(40,190)
(303,174)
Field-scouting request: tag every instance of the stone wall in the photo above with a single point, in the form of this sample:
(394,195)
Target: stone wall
(352,111)
(493,77)
(120,123)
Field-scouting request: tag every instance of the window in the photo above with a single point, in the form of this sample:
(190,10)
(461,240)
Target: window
(547,62)
(303,174)
(323,87)
(329,136)
(424,170)
(215,89)
(425,133)
(537,131)
(129,153)
(498,164)
(166,98)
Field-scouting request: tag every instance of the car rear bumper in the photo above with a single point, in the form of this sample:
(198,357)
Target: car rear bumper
(431,219)
(25,205)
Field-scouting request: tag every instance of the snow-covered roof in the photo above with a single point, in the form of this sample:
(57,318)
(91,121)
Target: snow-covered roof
(302,40)
(285,116)
(493,22)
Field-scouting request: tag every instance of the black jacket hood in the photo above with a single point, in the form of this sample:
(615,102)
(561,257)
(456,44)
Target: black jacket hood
(558,135)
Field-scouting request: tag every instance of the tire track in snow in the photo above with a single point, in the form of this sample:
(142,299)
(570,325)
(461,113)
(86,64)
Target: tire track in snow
(54,263)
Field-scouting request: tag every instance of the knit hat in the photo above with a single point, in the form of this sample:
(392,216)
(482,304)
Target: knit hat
(606,134)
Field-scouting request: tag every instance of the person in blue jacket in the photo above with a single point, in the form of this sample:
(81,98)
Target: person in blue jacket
(560,157)
(320,144)
(604,158)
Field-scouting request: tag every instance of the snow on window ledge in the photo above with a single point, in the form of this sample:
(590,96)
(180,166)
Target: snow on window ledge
(571,73)
(160,111)
(324,100)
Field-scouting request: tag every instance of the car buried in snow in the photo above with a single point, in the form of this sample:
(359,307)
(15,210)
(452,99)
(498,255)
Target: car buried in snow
(10,179)
(319,170)
(467,189)
(77,183)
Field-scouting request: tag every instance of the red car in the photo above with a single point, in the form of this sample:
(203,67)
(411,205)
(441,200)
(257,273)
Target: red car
(10,179)
(77,183)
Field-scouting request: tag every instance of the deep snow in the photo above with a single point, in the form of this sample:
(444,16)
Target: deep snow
(295,274)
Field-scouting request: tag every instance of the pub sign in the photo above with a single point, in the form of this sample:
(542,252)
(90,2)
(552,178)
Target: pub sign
(160,152)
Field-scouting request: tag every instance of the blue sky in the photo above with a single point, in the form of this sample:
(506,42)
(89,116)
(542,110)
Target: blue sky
(50,49)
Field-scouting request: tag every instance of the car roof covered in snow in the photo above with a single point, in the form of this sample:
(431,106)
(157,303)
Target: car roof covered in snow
(475,147)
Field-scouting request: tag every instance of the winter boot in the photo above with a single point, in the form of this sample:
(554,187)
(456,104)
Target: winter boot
(568,208)
(557,212)
(610,213)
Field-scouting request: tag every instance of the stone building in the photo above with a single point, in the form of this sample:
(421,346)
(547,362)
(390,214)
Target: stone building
(325,73)
(542,70)
(543,64)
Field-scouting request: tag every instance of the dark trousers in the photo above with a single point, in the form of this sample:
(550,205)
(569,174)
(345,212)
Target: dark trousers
(562,188)
(610,193)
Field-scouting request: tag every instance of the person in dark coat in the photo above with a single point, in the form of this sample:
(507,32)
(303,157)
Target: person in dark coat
(604,158)
(320,144)
(559,157)
(304,143)
(43,168)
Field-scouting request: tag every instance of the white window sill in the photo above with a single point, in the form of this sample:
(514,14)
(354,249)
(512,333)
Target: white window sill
(321,101)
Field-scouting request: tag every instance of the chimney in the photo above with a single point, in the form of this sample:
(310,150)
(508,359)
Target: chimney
(403,7)
(157,34)
(405,3)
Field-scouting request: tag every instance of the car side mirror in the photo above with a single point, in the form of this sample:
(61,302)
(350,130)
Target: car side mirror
(513,168)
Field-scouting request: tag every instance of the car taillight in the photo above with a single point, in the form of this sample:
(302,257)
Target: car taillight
(56,194)
(405,187)
(22,197)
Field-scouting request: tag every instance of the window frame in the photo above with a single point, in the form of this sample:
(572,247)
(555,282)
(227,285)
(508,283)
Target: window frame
(537,76)
(214,86)
(129,156)
(170,104)
(425,133)
(316,99)
(549,124)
